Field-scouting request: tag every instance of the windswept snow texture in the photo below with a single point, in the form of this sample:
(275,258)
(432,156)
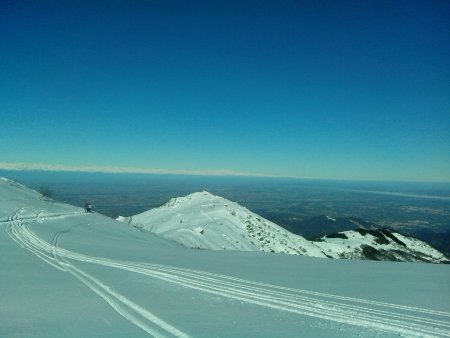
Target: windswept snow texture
(204,221)
(68,273)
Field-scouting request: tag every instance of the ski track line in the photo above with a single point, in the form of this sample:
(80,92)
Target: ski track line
(111,297)
(319,309)
(195,273)
(134,313)
(307,299)
(114,299)
(39,216)
(272,296)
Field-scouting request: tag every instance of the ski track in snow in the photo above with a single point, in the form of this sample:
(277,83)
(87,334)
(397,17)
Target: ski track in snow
(380,316)
(21,234)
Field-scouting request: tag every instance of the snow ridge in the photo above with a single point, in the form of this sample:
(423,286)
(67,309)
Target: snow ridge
(205,221)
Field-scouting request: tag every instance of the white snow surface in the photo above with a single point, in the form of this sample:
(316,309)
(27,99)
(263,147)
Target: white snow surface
(351,247)
(68,273)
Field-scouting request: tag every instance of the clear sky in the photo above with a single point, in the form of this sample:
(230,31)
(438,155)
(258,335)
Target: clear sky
(318,89)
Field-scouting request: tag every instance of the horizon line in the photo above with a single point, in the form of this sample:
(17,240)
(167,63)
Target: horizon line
(22,166)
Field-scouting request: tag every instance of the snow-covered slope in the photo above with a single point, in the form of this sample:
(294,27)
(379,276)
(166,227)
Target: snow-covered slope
(205,221)
(19,199)
(68,273)
(379,244)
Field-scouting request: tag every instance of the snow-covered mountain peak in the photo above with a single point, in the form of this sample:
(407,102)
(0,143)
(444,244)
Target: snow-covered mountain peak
(204,221)
(194,198)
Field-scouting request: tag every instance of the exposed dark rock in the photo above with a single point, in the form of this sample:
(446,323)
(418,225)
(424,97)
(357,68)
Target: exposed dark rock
(337,235)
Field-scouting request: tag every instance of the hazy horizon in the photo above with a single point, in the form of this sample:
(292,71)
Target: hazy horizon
(37,168)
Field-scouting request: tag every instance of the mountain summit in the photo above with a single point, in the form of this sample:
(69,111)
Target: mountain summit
(204,221)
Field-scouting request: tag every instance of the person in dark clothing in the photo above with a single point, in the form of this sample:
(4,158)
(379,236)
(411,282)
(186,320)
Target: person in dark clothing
(87,207)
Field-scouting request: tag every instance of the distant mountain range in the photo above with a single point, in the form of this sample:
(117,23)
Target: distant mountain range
(205,221)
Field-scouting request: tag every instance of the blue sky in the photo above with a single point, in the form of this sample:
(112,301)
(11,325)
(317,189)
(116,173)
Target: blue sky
(323,89)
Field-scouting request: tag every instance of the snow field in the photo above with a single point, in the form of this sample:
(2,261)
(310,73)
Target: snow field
(121,267)
(411,321)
